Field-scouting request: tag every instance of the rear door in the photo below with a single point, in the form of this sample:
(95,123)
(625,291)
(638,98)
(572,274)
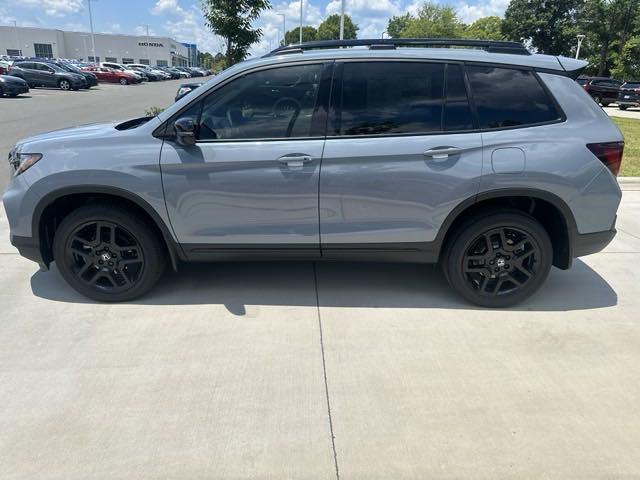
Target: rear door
(251,180)
(401,153)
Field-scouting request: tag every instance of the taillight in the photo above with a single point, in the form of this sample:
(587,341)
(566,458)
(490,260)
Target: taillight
(608,153)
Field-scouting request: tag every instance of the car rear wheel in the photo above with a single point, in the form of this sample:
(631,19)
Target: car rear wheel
(107,254)
(64,85)
(597,99)
(623,107)
(498,260)
(124,81)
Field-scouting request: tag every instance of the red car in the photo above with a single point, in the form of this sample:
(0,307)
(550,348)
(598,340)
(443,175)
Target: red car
(110,75)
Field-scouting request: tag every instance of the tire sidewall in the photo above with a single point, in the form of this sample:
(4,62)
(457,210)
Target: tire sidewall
(470,231)
(150,245)
(63,83)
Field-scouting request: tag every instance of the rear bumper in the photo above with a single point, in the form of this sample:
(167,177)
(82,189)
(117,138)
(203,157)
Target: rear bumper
(629,103)
(588,243)
(29,248)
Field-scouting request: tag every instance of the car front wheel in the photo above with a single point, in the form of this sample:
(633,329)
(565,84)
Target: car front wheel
(124,81)
(64,85)
(498,260)
(107,254)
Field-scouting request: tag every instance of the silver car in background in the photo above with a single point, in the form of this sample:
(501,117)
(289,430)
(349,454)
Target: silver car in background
(485,158)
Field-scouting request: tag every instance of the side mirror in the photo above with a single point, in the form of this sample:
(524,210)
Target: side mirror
(185,129)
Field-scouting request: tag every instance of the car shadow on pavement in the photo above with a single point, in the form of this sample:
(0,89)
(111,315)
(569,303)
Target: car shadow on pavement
(379,285)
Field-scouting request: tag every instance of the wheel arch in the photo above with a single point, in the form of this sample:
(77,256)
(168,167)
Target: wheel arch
(54,206)
(550,210)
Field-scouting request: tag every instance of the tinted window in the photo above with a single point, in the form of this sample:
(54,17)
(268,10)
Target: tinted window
(275,103)
(457,114)
(389,98)
(508,97)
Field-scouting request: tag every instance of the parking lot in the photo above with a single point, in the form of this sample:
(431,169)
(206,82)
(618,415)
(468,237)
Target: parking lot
(312,371)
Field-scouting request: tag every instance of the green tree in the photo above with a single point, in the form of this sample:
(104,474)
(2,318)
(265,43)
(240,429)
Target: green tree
(330,28)
(434,21)
(550,25)
(232,20)
(627,64)
(293,36)
(487,28)
(396,25)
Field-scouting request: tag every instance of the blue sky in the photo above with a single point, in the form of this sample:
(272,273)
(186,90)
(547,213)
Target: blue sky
(182,19)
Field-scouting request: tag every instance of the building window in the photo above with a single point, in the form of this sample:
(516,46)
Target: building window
(96,60)
(14,53)
(43,50)
(163,63)
(144,61)
(127,61)
(111,59)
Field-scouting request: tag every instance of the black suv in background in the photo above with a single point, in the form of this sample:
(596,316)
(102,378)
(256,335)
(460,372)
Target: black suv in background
(629,95)
(89,77)
(42,74)
(603,90)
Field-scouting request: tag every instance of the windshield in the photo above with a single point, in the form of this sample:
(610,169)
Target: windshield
(628,84)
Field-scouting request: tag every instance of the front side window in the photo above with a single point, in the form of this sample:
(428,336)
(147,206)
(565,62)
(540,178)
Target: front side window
(275,103)
(506,97)
(388,98)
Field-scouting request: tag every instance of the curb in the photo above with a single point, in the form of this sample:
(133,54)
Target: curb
(629,183)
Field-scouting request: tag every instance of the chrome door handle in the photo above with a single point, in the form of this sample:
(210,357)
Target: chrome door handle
(295,160)
(442,153)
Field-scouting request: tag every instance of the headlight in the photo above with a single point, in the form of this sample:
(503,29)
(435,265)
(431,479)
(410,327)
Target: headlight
(21,162)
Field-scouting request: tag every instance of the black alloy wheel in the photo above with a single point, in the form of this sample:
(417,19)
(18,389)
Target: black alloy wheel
(108,254)
(499,260)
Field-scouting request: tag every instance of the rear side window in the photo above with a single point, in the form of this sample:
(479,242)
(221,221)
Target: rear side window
(506,97)
(389,98)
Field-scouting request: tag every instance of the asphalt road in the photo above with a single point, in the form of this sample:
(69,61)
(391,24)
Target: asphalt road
(46,109)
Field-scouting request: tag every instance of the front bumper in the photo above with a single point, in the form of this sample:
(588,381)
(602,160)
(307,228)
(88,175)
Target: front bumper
(589,243)
(29,248)
(14,89)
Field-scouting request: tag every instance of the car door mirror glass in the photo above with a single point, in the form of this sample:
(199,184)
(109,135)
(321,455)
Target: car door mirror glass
(185,129)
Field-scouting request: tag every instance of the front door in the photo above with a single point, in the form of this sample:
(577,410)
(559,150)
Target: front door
(251,180)
(401,152)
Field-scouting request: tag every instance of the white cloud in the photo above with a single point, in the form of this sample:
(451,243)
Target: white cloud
(142,30)
(187,25)
(469,13)
(54,8)
(166,6)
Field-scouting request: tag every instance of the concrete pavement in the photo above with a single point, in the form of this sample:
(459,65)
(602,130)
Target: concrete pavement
(303,371)
(614,111)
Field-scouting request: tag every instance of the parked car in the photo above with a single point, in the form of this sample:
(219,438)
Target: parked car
(110,75)
(40,74)
(603,90)
(194,72)
(187,88)
(334,153)
(127,69)
(90,78)
(629,95)
(150,74)
(4,67)
(172,72)
(12,86)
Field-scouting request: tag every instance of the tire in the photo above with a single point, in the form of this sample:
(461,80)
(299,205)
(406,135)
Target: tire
(477,279)
(606,104)
(64,85)
(124,81)
(623,107)
(100,267)
(597,99)
(1,92)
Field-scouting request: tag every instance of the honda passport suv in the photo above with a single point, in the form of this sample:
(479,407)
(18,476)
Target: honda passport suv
(487,159)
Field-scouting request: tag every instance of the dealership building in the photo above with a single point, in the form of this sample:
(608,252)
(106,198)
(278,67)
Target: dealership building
(116,48)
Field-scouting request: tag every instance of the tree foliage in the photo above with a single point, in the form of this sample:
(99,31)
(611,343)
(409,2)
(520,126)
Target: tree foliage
(550,25)
(293,36)
(398,24)
(486,28)
(232,20)
(627,64)
(434,21)
(330,28)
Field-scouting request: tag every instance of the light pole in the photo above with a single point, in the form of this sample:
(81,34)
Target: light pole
(148,54)
(84,42)
(93,38)
(342,20)
(580,40)
(284,28)
(300,21)
(15,27)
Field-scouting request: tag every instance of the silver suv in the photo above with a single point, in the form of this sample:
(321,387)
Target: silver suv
(487,159)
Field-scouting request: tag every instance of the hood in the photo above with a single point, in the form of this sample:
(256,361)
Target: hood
(91,130)
(10,79)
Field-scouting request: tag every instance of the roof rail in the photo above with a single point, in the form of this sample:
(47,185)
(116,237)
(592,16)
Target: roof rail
(493,46)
